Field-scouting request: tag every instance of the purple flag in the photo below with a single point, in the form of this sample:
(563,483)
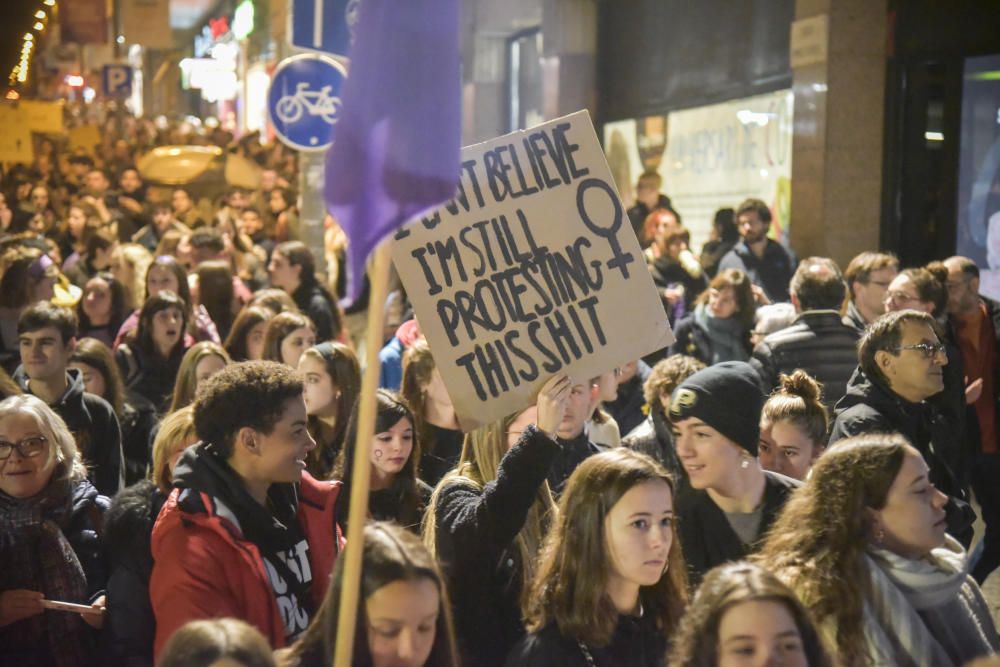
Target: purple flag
(397,144)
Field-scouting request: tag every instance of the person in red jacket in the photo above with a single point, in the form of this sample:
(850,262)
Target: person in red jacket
(246,532)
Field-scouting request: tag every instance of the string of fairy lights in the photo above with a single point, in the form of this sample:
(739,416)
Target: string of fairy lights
(29,47)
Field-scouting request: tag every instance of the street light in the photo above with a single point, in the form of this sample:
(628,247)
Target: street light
(39,26)
(39,15)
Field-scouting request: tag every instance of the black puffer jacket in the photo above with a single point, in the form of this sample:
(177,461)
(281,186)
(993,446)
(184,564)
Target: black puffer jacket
(476,529)
(627,408)
(819,343)
(637,642)
(871,407)
(131,628)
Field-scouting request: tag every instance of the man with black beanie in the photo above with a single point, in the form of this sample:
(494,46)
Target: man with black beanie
(727,501)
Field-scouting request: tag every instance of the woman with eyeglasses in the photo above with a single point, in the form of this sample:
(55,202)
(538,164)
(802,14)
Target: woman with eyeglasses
(50,541)
(719,328)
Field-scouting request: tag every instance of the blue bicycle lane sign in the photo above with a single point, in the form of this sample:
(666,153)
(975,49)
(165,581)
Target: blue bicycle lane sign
(304,100)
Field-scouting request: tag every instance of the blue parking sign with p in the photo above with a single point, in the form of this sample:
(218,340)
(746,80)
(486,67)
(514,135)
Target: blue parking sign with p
(304,100)
(116,80)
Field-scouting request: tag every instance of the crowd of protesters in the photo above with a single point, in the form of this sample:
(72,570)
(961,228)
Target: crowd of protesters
(790,483)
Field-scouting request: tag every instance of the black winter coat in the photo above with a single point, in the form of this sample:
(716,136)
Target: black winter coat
(691,339)
(95,428)
(773,272)
(637,642)
(130,627)
(476,529)
(871,407)
(708,540)
(819,343)
(315,303)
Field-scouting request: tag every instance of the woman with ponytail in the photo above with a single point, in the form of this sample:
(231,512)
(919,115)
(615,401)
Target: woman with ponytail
(793,426)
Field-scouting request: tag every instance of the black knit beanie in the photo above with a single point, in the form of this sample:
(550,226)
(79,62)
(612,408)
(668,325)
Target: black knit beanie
(725,396)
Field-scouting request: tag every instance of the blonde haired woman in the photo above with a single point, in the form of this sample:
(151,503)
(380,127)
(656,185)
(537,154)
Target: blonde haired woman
(131,627)
(487,519)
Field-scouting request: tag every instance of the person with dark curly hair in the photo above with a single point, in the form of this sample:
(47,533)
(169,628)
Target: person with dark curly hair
(246,531)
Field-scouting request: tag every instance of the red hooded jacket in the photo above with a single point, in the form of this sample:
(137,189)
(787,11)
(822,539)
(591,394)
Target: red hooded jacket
(203,568)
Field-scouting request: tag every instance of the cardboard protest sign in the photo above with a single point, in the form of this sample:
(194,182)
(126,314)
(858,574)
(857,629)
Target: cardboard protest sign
(43,116)
(85,137)
(15,140)
(531,271)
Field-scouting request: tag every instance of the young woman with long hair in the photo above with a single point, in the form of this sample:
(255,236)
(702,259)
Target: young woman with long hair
(200,362)
(863,544)
(245,341)
(727,502)
(611,586)
(396,493)
(102,308)
(743,615)
(424,390)
(150,357)
(487,519)
(793,426)
(403,615)
(332,379)
(216,295)
(137,417)
(287,336)
(719,328)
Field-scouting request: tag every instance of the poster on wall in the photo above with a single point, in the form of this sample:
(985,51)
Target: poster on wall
(711,157)
(978,229)
(533,270)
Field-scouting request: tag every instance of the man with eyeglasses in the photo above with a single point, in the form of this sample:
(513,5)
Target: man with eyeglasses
(901,365)
(868,276)
(974,326)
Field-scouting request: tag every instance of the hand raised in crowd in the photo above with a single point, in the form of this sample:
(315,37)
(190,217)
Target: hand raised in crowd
(551,403)
(18,604)
(973,390)
(130,204)
(759,296)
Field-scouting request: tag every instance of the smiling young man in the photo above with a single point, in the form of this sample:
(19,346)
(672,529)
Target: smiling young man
(246,533)
(47,337)
(901,365)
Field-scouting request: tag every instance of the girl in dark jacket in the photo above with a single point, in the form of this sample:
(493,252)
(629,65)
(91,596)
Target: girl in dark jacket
(396,493)
(136,415)
(50,541)
(719,328)
(611,586)
(487,519)
(150,357)
(131,626)
(332,381)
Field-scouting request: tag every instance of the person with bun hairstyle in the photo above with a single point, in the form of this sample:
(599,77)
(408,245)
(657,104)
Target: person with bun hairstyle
(864,545)
(728,502)
(793,426)
(487,520)
(744,615)
(611,587)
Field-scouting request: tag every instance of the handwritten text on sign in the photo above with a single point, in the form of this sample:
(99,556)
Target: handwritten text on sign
(529,271)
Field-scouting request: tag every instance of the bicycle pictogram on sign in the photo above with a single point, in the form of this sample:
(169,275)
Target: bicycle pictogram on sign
(318,103)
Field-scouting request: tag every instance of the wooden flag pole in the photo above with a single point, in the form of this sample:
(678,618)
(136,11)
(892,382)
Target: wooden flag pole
(361,473)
